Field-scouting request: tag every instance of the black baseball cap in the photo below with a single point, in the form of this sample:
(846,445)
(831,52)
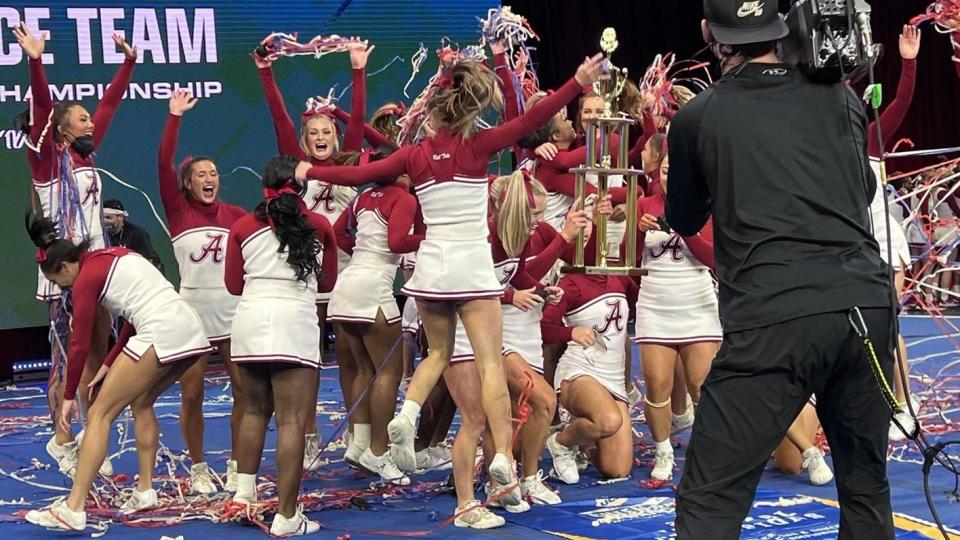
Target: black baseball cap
(738,22)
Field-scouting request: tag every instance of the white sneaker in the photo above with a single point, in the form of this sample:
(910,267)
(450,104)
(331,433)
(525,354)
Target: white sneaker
(536,492)
(816,466)
(434,458)
(106,468)
(298,525)
(501,469)
(311,452)
(564,461)
(66,455)
(353,453)
(384,467)
(402,434)
(663,464)
(906,420)
(682,422)
(231,483)
(240,499)
(58,516)
(495,501)
(201,479)
(139,500)
(475,516)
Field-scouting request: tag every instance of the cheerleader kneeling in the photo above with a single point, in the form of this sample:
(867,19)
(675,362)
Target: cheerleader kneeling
(163,337)
(275,332)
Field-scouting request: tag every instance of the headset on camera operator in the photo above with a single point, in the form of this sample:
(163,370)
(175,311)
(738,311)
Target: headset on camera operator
(780,162)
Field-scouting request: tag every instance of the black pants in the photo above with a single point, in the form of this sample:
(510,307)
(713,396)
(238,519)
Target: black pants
(757,386)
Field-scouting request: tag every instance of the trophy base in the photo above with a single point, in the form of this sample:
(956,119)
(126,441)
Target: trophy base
(603,270)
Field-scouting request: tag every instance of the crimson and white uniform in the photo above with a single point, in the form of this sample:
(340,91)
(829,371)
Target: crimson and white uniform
(129,286)
(601,303)
(454,261)
(323,198)
(521,329)
(276,318)
(83,193)
(410,318)
(677,302)
(384,217)
(199,241)
(878,217)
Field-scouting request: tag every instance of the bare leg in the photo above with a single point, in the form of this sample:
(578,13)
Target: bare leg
(255,379)
(482,320)
(542,403)
(658,367)
(697,358)
(614,455)
(294,404)
(800,436)
(380,339)
(463,381)
(236,389)
(191,409)
(596,411)
(439,324)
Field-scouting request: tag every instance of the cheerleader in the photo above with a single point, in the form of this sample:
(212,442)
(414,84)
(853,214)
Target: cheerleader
(519,203)
(677,313)
(162,338)
(276,332)
(199,223)
(63,139)
(454,274)
(318,144)
(366,315)
(798,451)
(592,318)
(890,121)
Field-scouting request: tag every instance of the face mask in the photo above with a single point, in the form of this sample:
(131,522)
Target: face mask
(83,145)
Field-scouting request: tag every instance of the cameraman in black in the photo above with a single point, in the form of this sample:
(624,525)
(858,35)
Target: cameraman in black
(781,164)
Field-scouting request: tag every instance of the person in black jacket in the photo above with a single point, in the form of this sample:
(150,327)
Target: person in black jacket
(780,163)
(126,234)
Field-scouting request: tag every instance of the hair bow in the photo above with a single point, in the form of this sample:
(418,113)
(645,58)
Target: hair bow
(270,194)
(40,256)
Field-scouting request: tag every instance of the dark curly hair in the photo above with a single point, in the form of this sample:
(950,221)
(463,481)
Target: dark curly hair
(295,233)
(43,234)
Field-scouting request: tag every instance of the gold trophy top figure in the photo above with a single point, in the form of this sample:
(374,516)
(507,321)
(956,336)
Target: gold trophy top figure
(611,89)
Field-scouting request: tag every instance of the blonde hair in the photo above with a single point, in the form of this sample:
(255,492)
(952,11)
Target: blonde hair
(385,121)
(305,128)
(512,212)
(473,88)
(682,94)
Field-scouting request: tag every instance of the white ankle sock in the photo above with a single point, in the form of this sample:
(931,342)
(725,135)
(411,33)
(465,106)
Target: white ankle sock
(361,436)
(247,486)
(411,410)
(664,447)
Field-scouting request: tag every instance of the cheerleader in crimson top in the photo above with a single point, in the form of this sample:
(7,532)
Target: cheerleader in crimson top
(591,318)
(890,121)
(199,223)
(365,313)
(510,231)
(454,272)
(163,337)
(62,139)
(279,257)
(677,313)
(318,143)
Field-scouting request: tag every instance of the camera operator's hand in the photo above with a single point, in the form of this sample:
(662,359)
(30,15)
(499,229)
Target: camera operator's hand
(648,222)
(909,42)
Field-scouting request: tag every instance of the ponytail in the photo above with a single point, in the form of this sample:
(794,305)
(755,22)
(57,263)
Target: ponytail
(52,251)
(281,208)
(513,200)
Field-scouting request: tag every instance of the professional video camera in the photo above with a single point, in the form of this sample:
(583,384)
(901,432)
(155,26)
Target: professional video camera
(830,40)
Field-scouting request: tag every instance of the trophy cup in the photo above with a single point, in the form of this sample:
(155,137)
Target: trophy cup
(599,164)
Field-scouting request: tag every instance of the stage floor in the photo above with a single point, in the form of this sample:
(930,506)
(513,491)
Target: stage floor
(787,507)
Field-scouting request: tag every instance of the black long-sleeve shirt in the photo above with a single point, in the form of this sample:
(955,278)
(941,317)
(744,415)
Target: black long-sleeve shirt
(781,164)
(136,238)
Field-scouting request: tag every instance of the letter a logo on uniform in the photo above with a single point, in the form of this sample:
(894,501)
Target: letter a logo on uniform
(213,248)
(754,8)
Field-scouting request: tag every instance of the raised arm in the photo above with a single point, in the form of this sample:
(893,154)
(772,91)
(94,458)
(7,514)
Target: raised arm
(511,105)
(114,94)
(41,164)
(383,171)
(895,112)
(400,220)
(170,187)
(493,140)
(287,140)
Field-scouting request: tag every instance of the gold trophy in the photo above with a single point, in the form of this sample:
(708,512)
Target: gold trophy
(599,163)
